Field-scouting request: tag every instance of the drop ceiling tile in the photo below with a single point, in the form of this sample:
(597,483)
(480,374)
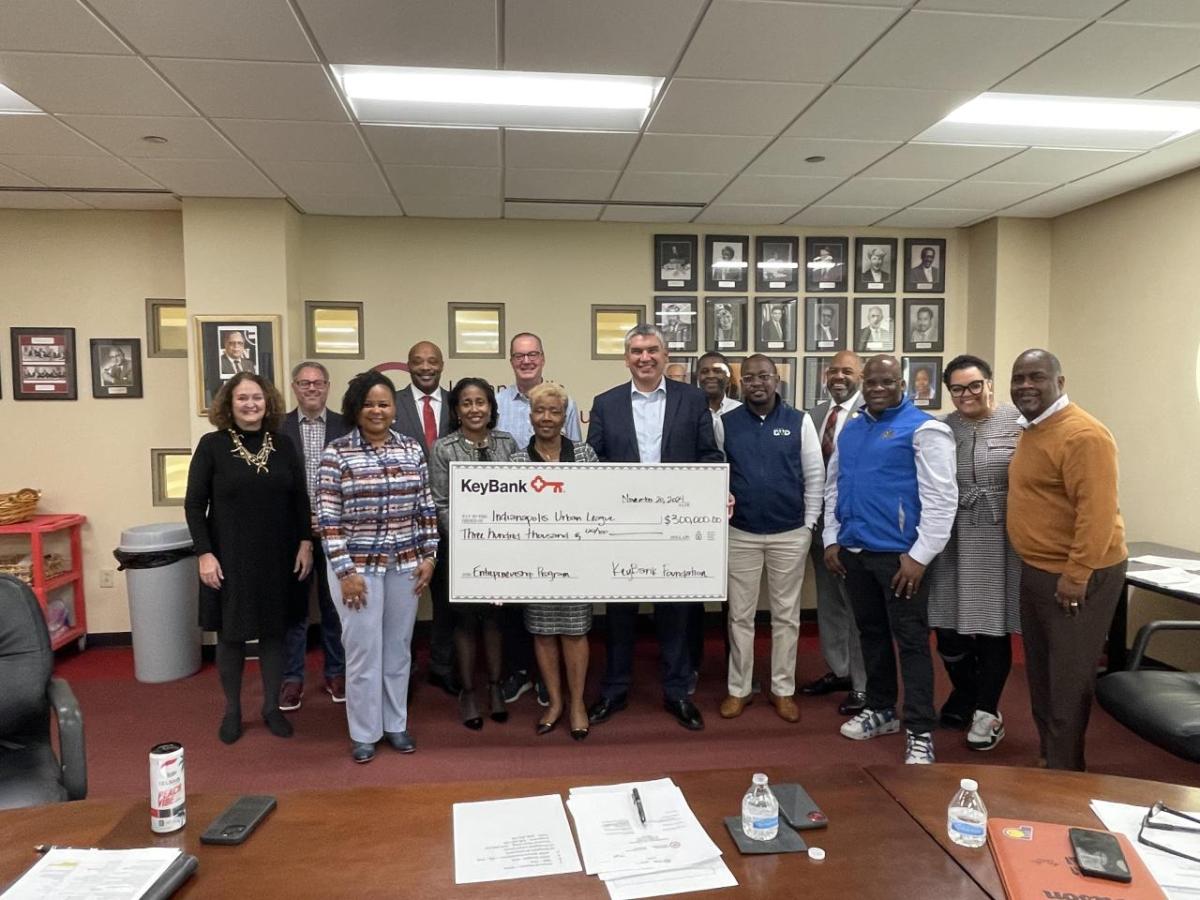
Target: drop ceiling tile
(1181,87)
(1066,9)
(74,83)
(766,41)
(131,201)
(405,32)
(787,157)
(934,218)
(296,141)
(79,171)
(558,184)
(13,178)
(616,37)
(448,180)
(39,200)
(210,177)
(1110,61)
(256,90)
(1039,165)
(705,106)
(778,190)
(56,26)
(212,29)
(1062,200)
(883,191)
(956,51)
(841,216)
(447,207)
(425,146)
(669,187)
(188,137)
(1157,12)
(44,136)
(621,213)
(529,149)
(376,204)
(694,153)
(875,113)
(746,214)
(587,212)
(951,161)
(325,177)
(978,194)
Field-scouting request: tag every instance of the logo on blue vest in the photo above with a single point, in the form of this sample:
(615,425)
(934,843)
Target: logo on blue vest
(782,432)
(887,434)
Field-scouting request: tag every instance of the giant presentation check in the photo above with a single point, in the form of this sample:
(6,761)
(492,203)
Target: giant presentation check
(534,532)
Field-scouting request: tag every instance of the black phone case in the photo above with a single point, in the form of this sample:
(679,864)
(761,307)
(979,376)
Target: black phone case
(797,808)
(239,820)
(1119,870)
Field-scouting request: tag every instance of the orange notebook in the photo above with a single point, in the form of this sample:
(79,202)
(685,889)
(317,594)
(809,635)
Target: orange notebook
(1035,862)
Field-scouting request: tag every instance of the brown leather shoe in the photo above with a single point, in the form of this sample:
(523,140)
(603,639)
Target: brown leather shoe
(786,707)
(731,706)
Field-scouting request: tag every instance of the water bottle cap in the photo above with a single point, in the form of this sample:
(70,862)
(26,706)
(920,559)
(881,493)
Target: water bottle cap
(759,778)
(816,854)
(969,784)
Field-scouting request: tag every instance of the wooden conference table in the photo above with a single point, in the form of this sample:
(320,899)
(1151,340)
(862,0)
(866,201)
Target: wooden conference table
(1118,652)
(886,836)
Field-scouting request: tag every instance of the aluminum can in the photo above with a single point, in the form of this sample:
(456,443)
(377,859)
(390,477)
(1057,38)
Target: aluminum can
(168,798)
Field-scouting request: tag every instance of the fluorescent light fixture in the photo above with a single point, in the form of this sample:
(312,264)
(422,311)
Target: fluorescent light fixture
(12,103)
(422,96)
(1041,120)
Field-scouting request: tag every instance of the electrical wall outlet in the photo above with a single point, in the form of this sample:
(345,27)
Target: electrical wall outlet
(107,578)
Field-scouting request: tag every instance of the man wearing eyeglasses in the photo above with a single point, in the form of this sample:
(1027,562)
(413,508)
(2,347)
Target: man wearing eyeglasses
(311,426)
(527,358)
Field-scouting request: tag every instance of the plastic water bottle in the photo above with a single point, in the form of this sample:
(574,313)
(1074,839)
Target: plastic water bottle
(966,818)
(760,811)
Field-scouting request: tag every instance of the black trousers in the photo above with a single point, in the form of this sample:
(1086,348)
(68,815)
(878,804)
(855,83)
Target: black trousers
(441,630)
(675,666)
(883,618)
(978,666)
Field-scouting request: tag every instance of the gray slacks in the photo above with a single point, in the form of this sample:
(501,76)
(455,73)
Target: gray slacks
(835,621)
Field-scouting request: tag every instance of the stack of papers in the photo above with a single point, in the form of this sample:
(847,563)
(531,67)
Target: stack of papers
(1179,878)
(495,840)
(670,854)
(1177,578)
(70,874)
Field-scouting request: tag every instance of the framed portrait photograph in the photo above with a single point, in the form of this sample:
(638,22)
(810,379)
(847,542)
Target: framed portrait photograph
(785,366)
(875,265)
(923,380)
(776,267)
(476,330)
(681,368)
(925,265)
(678,318)
(43,363)
(226,345)
(728,262)
(825,263)
(116,368)
(775,327)
(725,323)
(610,324)
(814,380)
(824,324)
(924,324)
(676,262)
(874,325)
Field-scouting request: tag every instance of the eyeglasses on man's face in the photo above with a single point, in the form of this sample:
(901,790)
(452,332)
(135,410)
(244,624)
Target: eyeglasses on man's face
(971,387)
(307,384)
(532,356)
(752,377)
(1161,817)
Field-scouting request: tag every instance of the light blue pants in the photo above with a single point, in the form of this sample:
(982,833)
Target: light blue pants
(378,642)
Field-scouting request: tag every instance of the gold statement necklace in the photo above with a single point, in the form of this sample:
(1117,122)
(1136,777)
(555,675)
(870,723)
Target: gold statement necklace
(256,461)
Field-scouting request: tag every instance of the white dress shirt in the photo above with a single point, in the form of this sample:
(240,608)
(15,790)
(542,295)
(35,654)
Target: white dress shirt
(649,411)
(848,408)
(1057,406)
(435,397)
(727,403)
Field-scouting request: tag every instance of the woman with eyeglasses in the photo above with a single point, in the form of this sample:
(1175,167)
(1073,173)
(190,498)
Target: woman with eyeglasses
(974,583)
(473,416)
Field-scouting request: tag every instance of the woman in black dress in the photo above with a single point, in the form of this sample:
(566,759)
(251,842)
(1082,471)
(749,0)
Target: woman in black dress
(247,510)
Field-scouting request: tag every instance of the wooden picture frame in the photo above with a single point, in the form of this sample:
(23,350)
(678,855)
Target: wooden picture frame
(116,368)
(824,324)
(226,345)
(678,318)
(875,265)
(924,324)
(825,264)
(681,369)
(725,324)
(728,263)
(776,267)
(919,277)
(168,475)
(775,324)
(476,330)
(166,328)
(676,262)
(785,367)
(874,325)
(331,339)
(610,324)
(44,364)
(923,380)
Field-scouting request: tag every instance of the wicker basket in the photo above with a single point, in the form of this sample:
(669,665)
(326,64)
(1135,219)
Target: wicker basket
(18,506)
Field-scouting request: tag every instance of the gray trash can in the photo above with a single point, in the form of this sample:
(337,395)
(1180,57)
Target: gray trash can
(163,582)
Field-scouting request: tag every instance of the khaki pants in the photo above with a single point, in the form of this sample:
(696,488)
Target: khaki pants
(783,555)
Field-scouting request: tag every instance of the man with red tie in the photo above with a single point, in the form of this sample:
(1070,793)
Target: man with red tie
(423,413)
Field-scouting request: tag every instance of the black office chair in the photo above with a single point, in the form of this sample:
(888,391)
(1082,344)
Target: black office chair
(1162,707)
(30,774)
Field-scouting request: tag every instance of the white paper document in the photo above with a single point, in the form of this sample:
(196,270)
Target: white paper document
(1192,565)
(700,877)
(1172,577)
(1179,878)
(495,840)
(68,874)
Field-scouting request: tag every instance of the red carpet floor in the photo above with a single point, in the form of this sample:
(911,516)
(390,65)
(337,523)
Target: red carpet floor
(124,718)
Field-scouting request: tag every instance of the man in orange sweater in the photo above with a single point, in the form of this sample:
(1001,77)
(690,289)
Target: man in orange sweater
(1065,523)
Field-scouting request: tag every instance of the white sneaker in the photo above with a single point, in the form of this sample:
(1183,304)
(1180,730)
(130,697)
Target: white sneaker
(986,730)
(871,723)
(918,748)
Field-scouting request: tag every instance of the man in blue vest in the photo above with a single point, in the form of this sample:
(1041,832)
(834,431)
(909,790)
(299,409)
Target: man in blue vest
(890,500)
(777,477)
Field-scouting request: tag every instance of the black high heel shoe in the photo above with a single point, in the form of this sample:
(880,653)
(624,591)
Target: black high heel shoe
(546,727)
(468,710)
(499,711)
(580,733)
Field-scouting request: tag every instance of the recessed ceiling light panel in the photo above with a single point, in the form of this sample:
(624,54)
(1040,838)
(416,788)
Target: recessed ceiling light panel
(12,103)
(423,96)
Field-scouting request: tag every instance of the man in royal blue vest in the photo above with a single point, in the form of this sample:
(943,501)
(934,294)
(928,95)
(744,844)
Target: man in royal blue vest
(777,477)
(890,500)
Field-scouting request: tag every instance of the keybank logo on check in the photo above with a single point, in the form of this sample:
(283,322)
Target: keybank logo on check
(496,486)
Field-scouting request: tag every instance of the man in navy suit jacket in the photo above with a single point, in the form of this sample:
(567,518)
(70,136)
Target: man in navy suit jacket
(310,384)
(650,419)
